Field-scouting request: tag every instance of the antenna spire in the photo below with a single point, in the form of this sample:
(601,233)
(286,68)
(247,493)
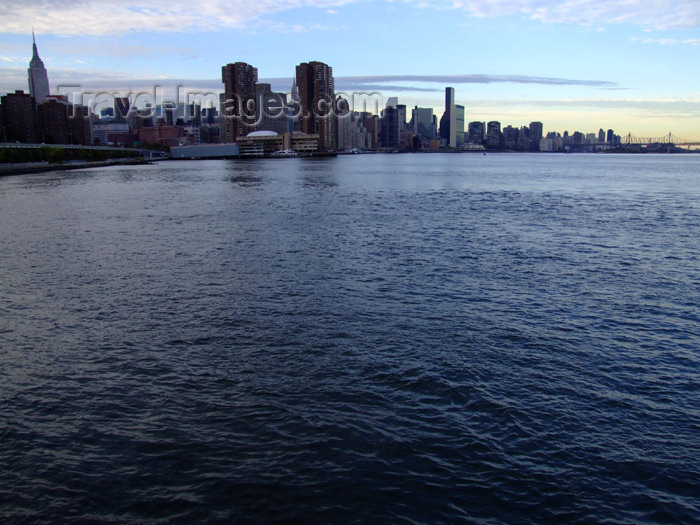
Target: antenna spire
(35,53)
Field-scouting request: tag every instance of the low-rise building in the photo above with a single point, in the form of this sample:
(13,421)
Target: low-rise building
(205,151)
(265,143)
(162,134)
(104,127)
(18,117)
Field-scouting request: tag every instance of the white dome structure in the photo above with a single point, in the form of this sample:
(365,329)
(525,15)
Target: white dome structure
(261,133)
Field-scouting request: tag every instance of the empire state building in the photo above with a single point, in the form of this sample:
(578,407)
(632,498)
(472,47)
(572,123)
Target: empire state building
(38,78)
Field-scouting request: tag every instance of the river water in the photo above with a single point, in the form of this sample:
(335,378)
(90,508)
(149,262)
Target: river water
(427,338)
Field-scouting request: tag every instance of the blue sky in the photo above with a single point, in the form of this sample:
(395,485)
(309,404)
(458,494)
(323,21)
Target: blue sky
(576,65)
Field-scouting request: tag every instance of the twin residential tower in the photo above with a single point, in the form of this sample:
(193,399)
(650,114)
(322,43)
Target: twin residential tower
(245,102)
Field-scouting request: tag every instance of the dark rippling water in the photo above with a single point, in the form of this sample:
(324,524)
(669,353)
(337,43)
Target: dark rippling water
(367,339)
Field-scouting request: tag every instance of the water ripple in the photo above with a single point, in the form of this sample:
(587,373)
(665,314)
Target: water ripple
(386,338)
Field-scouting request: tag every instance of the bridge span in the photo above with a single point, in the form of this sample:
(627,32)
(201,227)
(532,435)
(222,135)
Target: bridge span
(669,140)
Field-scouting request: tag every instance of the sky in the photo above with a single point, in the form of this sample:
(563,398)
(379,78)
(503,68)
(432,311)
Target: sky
(576,65)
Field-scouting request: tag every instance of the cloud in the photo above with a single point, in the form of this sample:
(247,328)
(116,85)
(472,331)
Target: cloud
(474,79)
(421,83)
(13,53)
(435,83)
(76,79)
(109,17)
(666,41)
(286,28)
(115,49)
(657,14)
(688,108)
(116,80)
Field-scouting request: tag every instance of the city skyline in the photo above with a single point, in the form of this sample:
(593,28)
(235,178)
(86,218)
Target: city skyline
(633,69)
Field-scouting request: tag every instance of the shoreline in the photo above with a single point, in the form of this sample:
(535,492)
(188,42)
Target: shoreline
(24,169)
(34,168)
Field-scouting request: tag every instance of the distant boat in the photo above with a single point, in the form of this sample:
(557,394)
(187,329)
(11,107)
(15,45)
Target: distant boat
(285,153)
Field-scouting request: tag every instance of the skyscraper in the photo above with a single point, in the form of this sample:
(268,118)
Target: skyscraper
(122,105)
(294,96)
(316,100)
(38,77)
(423,122)
(390,128)
(493,134)
(371,124)
(510,137)
(448,122)
(477,131)
(536,134)
(271,110)
(459,123)
(238,108)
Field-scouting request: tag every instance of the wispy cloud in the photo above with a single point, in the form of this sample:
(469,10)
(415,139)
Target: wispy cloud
(108,48)
(388,84)
(12,78)
(666,41)
(108,17)
(436,83)
(286,28)
(13,53)
(687,108)
(658,14)
(388,81)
